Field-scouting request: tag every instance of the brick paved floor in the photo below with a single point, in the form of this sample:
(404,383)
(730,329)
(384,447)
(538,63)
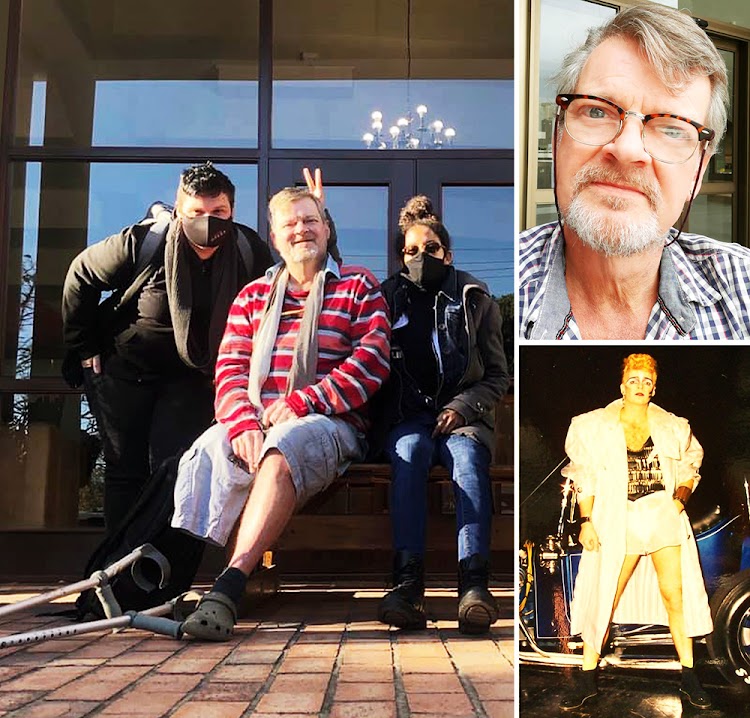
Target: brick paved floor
(301,653)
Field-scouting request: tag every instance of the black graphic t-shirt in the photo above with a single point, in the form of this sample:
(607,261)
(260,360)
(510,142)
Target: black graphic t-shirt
(644,473)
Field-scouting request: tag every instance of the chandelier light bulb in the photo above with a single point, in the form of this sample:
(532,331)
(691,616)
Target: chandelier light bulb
(408,132)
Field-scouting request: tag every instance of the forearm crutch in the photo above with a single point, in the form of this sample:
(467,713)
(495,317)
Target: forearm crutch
(99,580)
(149,620)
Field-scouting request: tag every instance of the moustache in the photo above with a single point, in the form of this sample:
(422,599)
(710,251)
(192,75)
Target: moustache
(635,180)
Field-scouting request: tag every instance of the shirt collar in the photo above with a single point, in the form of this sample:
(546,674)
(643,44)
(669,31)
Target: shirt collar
(331,267)
(680,288)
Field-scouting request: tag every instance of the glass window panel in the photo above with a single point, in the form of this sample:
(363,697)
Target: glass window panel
(564,24)
(711,215)
(734,12)
(546,213)
(480,222)
(335,62)
(49,447)
(721,164)
(138,74)
(361,217)
(59,208)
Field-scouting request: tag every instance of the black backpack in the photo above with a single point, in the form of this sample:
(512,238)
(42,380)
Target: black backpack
(148,521)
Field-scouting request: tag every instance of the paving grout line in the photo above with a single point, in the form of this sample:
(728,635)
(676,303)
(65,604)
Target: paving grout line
(333,681)
(468,686)
(266,687)
(98,705)
(402,701)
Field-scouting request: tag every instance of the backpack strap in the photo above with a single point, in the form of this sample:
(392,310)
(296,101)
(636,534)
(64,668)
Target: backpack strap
(145,254)
(246,251)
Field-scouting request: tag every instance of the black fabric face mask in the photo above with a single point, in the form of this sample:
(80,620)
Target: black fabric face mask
(426,271)
(207,231)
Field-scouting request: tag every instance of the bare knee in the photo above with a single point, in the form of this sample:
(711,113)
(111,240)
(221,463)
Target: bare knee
(273,466)
(672,598)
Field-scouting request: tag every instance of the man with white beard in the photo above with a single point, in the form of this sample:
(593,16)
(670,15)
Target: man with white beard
(642,107)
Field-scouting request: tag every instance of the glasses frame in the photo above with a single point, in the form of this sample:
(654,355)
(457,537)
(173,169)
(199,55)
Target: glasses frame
(424,249)
(705,134)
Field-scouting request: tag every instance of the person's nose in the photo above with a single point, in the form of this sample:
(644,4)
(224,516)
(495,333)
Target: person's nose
(628,147)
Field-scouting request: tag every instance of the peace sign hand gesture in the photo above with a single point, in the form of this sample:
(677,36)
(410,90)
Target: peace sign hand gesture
(315,184)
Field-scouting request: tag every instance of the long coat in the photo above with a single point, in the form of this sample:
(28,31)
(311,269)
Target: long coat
(599,468)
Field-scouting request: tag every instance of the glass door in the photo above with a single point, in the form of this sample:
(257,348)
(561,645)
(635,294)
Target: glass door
(474,198)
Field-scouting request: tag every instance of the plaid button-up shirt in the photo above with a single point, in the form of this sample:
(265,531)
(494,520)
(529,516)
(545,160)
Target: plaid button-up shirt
(704,289)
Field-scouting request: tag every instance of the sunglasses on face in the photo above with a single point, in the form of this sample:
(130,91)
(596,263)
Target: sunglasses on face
(429,248)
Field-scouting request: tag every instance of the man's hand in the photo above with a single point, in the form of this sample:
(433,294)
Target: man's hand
(588,538)
(447,421)
(315,185)
(680,506)
(247,447)
(277,413)
(94,363)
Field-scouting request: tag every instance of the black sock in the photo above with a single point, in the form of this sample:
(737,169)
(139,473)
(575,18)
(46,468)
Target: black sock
(231,583)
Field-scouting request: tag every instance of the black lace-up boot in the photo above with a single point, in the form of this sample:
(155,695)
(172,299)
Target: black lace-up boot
(477,608)
(692,690)
(583,688)
(403,605)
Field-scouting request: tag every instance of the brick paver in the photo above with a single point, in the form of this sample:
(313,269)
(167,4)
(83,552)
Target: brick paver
(311,653)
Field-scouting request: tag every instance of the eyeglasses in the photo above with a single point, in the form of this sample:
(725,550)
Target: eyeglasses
(596,122)
(429,247)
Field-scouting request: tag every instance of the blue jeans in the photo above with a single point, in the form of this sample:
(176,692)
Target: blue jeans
(412,452)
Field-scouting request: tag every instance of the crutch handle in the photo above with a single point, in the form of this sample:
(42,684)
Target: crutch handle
(155,624)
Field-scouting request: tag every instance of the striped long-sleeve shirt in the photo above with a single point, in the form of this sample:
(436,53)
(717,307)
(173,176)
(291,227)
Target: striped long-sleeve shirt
(353,351)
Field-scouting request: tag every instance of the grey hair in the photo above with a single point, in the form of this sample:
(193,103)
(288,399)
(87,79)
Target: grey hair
(286,196)
(675,47)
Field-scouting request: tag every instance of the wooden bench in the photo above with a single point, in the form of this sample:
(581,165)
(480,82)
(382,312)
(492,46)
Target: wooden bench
(339,519)
(344,533)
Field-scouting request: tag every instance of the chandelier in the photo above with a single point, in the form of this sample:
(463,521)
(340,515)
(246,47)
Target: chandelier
(409,133)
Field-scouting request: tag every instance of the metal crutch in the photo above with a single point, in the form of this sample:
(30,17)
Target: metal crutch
(149,620)
(100,580)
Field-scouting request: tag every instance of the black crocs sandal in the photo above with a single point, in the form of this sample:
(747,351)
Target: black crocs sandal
(213,619)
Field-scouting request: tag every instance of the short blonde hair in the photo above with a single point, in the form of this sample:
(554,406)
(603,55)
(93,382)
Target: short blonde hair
(286,196)
(644,362)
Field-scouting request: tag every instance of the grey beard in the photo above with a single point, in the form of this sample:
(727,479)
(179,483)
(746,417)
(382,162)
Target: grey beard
(612,238)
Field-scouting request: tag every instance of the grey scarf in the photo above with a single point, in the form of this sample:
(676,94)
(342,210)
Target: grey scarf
(224,288)
(304,367)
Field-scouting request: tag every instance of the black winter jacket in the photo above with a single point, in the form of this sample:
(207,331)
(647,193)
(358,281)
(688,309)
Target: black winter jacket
(469,332)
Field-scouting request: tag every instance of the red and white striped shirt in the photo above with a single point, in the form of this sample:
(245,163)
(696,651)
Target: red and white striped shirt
(353,350)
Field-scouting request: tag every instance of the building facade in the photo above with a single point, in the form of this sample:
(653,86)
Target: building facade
(104,102)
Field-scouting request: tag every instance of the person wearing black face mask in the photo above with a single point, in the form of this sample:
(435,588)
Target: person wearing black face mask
(448,370)
(148,373)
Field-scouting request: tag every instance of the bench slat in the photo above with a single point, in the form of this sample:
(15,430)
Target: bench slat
(311,532)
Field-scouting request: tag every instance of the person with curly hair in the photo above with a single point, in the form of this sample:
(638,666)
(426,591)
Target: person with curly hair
(448,370)
(634,466)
